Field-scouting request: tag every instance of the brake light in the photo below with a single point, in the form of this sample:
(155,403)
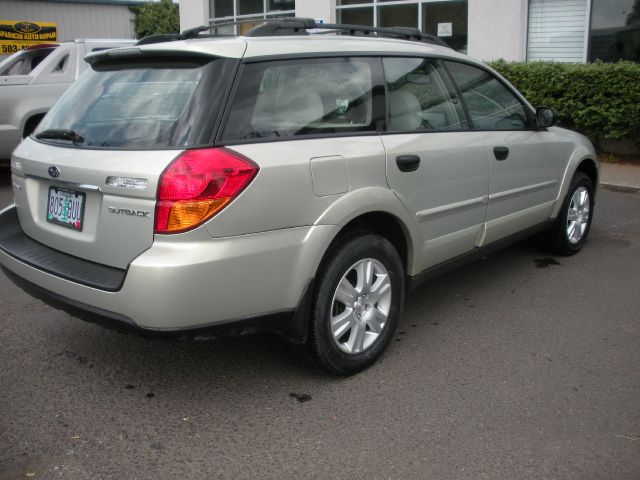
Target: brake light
(197,185)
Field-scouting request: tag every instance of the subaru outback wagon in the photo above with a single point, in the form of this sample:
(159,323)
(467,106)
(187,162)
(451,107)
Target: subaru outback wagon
(283,181)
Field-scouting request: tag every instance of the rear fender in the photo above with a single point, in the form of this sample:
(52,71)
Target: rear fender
(369,200)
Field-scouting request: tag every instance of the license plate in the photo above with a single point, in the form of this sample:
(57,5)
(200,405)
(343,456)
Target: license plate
(66,208)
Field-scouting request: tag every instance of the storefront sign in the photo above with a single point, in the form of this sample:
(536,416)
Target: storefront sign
(445,29)
(18,34)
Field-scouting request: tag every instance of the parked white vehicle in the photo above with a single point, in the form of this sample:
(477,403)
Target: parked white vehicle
(33,79)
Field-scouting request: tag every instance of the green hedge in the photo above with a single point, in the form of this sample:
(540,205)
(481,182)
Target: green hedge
(600,100)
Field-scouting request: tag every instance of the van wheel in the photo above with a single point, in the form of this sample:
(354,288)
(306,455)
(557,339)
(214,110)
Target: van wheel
(357,304)
(571,228)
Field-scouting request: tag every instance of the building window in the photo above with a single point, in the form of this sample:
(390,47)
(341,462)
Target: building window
(615,30)
(444,18)
(251,12)
(437,15)
(557,30)
(355,16)
(398,15)
(221,8)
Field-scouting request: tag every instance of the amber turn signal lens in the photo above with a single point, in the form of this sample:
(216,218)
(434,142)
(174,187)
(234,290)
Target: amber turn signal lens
(185,214)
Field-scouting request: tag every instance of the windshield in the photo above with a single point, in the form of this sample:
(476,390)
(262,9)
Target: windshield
(149,105)
(23,62)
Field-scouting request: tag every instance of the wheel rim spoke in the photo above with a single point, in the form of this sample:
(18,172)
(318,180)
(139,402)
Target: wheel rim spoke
(576,232)
(381,286)
(376,320)
(346,293)
(341,323)
(582,198)
(356,338)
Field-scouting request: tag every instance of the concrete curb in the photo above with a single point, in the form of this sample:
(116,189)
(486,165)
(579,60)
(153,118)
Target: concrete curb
(620,188)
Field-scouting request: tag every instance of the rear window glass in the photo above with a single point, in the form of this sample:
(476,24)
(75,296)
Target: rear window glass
(301,97)
(144,106)
(158,96)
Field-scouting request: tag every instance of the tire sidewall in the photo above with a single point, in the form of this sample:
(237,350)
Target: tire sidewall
(346,255)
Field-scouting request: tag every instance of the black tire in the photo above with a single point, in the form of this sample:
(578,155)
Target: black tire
(556,239)
(321,346)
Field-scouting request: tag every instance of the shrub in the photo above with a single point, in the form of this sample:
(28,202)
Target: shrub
(600,100)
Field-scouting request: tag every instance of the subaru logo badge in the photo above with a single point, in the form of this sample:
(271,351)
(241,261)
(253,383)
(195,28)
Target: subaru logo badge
(54,171)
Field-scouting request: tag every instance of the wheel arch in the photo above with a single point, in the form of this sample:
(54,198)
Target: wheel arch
(375,210)
(582,161)
(381,223)
(31,122)
(379,211)
(589,167)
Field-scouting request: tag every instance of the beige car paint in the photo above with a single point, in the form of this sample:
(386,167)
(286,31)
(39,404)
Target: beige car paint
(258,255)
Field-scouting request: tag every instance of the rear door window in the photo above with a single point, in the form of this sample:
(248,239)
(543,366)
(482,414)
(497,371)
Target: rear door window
(302,97)
(146,104)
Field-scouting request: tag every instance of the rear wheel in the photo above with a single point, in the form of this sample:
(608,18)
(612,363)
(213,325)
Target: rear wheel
(357,304)
(571,228)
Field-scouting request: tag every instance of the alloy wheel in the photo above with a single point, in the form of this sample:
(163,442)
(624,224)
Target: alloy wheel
(360,306)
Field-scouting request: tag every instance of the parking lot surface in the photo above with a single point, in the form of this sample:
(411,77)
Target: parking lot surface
(518,366)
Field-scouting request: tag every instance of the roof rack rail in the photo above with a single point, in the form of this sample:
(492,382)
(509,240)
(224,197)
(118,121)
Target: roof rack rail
(192,32)
(159,38)
(300,26)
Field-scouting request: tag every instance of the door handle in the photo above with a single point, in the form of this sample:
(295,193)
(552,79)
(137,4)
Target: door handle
(501,153)
(408,163)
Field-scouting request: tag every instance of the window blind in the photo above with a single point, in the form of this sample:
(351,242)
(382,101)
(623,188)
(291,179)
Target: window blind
(557,30)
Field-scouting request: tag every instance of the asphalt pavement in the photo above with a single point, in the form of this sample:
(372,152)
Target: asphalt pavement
(518,366)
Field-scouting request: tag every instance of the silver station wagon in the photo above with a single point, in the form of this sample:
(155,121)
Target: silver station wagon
(283,181)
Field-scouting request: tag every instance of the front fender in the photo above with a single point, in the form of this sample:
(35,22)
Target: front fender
(583,151)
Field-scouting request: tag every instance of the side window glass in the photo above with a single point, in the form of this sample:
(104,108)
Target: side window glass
(419,98)
(60,66)
(491,104)
(293,98)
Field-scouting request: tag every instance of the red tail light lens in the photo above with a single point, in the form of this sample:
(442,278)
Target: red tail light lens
(197,185)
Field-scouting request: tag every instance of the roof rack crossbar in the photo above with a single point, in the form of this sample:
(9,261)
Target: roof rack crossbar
(299,26)
(293,24)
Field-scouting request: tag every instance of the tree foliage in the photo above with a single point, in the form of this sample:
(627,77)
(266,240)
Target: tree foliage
(634,16)
(156,17)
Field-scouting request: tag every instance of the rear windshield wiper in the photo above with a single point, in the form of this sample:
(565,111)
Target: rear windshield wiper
(61,134)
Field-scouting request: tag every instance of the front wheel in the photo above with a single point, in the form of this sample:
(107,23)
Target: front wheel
(357,304)
(571,228)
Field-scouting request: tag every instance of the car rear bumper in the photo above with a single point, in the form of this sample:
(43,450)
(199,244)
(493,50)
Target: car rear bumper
(277,322)
(176,286)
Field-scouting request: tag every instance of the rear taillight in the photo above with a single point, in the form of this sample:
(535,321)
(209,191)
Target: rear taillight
(197,185)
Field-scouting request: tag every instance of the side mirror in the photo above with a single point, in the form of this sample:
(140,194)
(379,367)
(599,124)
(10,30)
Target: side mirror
(546,117)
